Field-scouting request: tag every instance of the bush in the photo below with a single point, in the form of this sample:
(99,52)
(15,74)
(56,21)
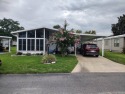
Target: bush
(19,53)
(48,59)
(28,54)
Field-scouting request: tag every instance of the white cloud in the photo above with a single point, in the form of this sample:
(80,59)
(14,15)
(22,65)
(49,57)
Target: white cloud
(81,14)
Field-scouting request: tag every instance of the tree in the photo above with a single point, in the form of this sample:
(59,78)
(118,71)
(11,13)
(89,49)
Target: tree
(90,32)
(119,28)
(78,31)
(56,26)
(65,38)
(9,25)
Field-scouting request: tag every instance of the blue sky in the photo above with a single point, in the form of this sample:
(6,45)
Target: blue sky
(80,14)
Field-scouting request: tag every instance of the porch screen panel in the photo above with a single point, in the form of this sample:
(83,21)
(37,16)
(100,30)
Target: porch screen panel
(24,44)
(37,44)
(41,44)
(39,33)
(22,35)
(31,34)
(30,44)
(20,44)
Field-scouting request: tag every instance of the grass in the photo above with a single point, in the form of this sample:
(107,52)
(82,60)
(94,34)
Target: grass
(115,56)
(32,64)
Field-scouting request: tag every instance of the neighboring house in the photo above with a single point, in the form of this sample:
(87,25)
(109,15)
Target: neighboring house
(5,43)
(112,43)
(33,40)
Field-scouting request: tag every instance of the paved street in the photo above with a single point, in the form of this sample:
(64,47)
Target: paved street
(76,83)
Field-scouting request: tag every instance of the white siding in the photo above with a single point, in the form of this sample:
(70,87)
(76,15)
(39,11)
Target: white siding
(109,44)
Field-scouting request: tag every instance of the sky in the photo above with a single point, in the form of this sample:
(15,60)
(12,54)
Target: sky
(82,15)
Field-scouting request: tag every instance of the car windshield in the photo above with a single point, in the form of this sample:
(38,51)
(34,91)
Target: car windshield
(91,46)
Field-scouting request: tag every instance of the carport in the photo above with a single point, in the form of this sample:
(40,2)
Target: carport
(2,38)
(90,37)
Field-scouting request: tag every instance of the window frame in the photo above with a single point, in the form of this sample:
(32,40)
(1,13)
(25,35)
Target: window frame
(116,42)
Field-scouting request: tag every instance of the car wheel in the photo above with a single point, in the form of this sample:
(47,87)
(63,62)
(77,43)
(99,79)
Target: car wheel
(97,55)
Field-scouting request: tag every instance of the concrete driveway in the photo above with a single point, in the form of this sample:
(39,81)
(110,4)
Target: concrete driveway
(97,64)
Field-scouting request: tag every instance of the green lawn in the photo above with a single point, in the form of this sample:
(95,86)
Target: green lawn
(32,64)
(114,56)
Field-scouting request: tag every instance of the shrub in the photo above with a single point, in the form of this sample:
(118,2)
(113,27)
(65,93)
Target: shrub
(28,54)
(19,53)
(48,59)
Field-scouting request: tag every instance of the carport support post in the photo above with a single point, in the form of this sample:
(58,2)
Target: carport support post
(103,46)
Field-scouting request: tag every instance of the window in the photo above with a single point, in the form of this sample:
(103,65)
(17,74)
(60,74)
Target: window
(39,44)
(106,42)
(31,34)
(22,44)
(116,42)
(22,35)
(30,44)
(39,33)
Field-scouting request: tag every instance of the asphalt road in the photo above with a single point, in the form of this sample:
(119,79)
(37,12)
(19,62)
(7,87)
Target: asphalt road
(79,83)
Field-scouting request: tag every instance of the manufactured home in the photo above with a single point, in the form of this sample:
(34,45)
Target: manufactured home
(112,43)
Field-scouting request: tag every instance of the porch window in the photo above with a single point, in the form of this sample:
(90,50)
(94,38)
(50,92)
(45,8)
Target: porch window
(22,44)
(39,44)
(31,34)
(31,44)
(39,33)
(22,35)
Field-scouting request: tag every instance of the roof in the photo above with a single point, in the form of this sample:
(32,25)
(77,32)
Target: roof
(14,32)
(111,37)
(5,37)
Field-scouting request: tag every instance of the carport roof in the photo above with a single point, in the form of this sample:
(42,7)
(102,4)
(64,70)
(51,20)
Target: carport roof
(88,37)
(5,37)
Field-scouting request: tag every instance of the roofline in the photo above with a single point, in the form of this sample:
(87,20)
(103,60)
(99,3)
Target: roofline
(111,37)
(81,34)
(5,37)
(14,32)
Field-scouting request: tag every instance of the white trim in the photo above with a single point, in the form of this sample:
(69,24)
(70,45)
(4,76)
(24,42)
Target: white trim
(5,37)
(17,42)
(35,40)
(110,44)
(14,32)
(81,34)
(111,37)
(26,41)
